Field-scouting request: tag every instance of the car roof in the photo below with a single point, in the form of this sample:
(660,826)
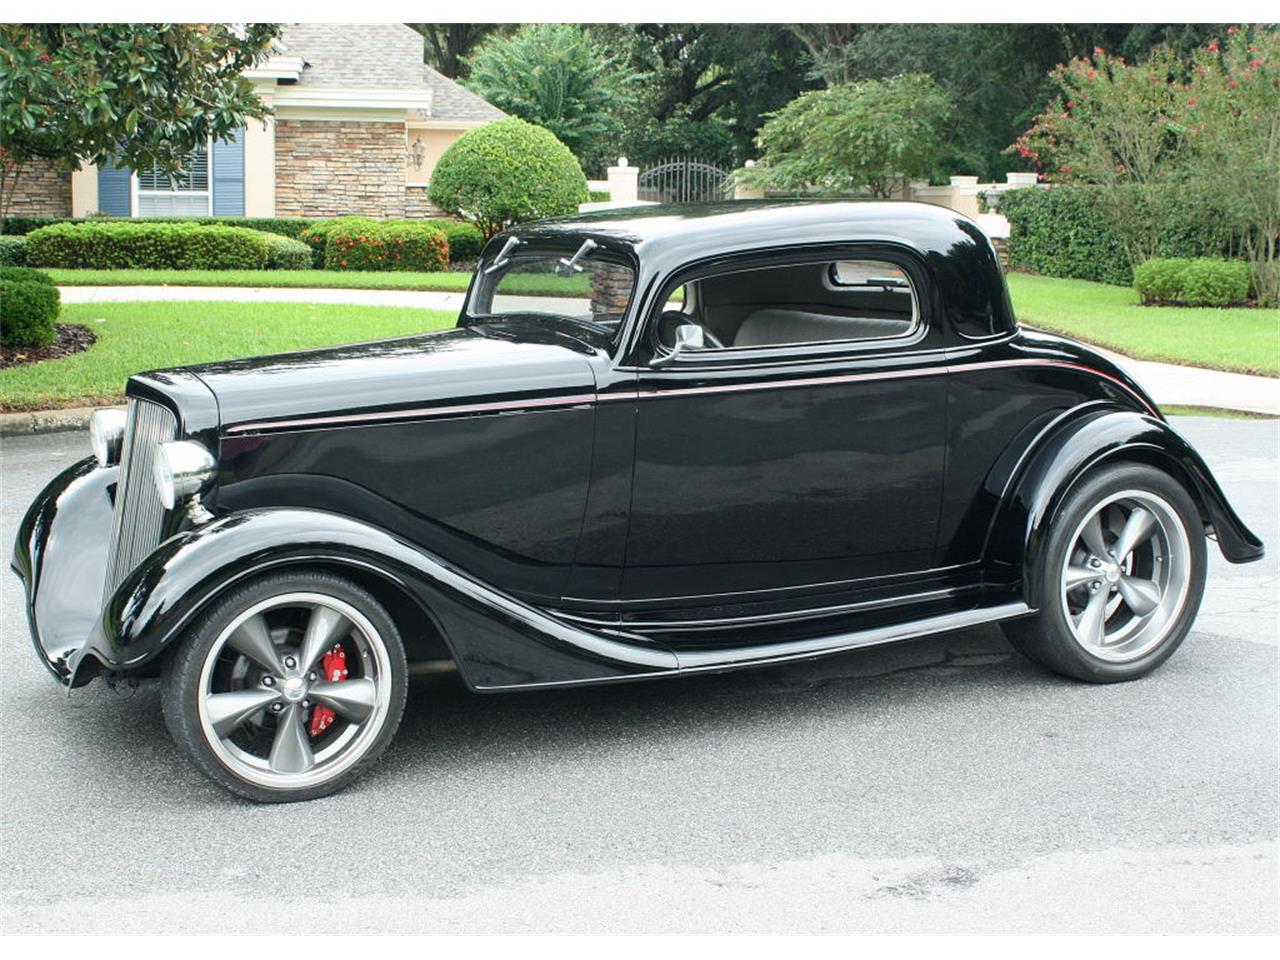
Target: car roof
(666,237)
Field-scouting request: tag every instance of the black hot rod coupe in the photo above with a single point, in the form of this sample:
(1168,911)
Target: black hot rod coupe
(718,436)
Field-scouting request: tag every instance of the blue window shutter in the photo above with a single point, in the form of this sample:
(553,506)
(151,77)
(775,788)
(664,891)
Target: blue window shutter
(115,193)
(228,176)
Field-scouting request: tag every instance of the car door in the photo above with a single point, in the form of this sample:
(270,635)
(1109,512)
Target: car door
(808,449)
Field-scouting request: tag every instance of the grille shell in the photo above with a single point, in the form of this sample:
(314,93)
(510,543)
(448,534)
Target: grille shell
(139,521)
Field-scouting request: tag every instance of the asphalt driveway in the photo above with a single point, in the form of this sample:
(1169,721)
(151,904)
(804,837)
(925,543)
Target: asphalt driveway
(940,785)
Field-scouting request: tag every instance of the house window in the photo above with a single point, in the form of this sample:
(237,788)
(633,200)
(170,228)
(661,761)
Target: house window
(162,194)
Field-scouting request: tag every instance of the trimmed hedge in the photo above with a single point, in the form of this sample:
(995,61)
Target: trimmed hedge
(1192,282)
(1065,232)
(105,245)
(28,312)
(285,253)
(285,226)
(25,275)
(394,245)
(13,251)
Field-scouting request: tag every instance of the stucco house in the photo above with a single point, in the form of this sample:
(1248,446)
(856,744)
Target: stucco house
(359,123)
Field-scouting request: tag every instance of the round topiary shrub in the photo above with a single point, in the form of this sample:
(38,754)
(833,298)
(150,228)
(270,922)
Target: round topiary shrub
(506,173)
(25,275)
(13,251)
(28,311)
(285,253)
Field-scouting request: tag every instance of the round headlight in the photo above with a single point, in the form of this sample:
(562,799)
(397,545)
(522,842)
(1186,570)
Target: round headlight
(182,467)
(106,434)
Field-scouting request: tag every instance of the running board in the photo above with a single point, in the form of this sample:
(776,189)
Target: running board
(694,660)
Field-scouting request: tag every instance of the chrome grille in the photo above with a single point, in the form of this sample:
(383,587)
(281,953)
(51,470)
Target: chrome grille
(138,525)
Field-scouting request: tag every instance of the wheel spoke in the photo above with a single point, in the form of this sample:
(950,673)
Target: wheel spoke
(1091,624)
(227,711)
(1142,596)
(1137,528)
(290,751)
(353,699)
(1078,576)
(1092,536)
(253,639)
(325,628)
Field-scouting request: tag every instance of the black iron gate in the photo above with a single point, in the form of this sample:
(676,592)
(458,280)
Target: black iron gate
(684,180)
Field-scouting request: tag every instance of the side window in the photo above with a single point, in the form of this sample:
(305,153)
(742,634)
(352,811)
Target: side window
(817,302)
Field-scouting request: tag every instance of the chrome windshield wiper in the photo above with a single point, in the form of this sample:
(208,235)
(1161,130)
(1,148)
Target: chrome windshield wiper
(567,268)
(504,255)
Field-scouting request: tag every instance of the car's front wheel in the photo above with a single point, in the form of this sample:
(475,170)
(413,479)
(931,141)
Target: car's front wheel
(288,687)
(1122,576)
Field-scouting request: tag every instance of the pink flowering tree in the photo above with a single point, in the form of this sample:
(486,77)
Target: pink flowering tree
(1230,112)
(1114,125)
(1136,131)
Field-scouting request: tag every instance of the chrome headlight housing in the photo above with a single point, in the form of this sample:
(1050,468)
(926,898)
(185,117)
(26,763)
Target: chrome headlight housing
(106,434)
(182,469)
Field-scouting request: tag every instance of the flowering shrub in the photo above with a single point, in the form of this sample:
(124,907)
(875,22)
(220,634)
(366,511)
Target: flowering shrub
(1194,283)
(393,245)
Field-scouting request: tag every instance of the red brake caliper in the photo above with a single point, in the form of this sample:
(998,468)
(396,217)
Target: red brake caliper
(335,669)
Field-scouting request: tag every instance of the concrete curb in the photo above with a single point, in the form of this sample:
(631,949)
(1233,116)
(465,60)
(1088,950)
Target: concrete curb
(45,421)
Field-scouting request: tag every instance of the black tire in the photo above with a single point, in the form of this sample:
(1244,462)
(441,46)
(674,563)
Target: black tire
(181,680)
(1047,639)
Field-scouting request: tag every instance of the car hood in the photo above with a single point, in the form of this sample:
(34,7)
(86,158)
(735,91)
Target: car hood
(468,365)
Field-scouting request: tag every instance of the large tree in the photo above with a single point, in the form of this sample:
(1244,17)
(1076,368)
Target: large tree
(703,89)
(141,94)
(553,75)
(449,44)
(870,136)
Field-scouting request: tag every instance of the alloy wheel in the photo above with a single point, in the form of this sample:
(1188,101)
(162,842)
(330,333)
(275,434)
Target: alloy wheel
(294,690)
(1126,575)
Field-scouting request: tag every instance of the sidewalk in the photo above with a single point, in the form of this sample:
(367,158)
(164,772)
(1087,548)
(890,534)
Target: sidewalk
(1167,383)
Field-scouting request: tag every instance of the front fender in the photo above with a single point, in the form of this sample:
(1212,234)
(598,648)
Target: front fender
(1074,445)
(496,639)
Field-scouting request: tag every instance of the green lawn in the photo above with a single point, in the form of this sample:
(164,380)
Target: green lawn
(450,282)
(143,336)
(1238,339)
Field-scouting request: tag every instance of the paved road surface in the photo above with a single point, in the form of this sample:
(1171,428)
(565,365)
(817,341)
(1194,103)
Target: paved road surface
(942,785)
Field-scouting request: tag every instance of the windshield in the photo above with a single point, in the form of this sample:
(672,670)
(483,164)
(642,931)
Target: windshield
(585,289)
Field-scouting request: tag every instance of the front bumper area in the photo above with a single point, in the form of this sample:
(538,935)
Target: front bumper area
(61,557)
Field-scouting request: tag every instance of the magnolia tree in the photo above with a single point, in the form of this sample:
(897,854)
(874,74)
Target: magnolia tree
(871,136)
(145,94)
(1140,131)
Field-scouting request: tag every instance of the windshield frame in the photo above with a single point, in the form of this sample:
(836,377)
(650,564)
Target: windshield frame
(608,250)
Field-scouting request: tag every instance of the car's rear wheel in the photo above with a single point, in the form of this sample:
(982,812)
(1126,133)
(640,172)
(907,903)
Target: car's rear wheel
(1123,574)
(288,688)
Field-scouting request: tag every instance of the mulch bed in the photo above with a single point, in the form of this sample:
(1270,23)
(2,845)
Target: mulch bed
(72,338)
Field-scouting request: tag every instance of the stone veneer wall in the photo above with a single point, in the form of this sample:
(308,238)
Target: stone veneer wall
(41,191)
(329,168)
(418,204)
(610,287)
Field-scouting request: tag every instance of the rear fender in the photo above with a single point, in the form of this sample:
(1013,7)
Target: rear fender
(1070,448)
